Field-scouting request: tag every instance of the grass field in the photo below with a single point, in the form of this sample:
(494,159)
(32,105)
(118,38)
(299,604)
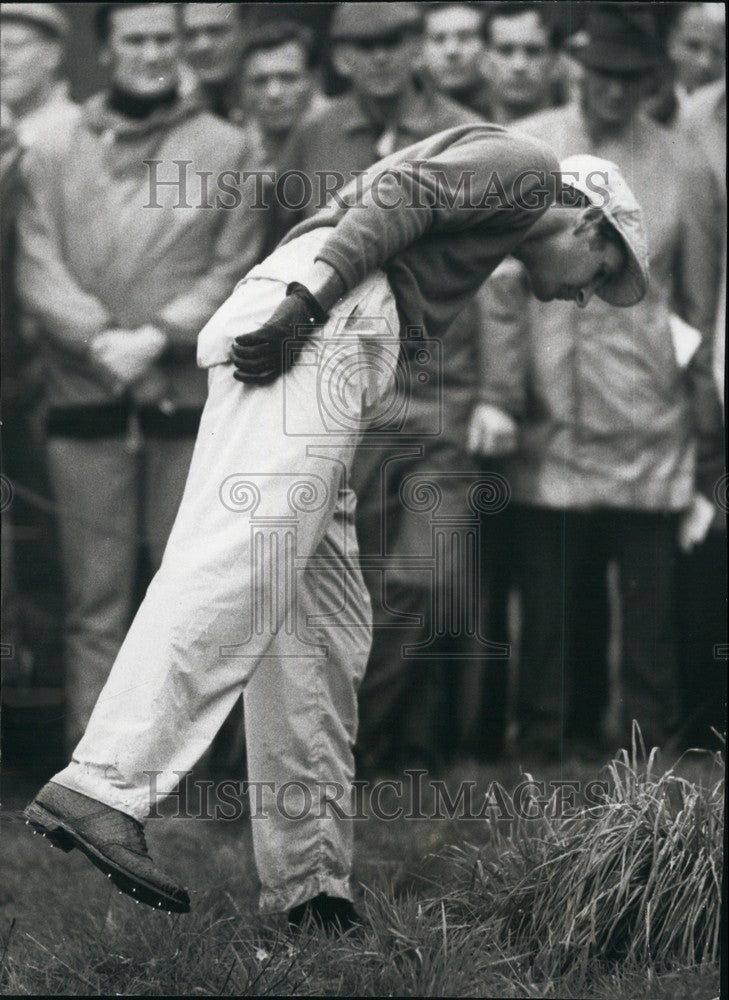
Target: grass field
(622,902)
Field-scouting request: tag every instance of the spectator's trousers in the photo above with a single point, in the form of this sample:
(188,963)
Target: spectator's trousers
(424,568)
(560,553)
(259,589)
(701,603)
(110,498)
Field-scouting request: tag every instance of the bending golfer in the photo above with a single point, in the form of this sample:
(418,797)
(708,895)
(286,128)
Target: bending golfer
(260,588)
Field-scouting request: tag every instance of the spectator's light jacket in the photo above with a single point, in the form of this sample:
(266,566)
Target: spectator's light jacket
(703,117)
(603,407)
(95,254)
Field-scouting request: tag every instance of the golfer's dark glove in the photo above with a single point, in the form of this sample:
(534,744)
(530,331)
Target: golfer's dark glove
(260,357)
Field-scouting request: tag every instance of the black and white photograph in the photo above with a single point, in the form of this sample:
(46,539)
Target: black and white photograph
(364,499)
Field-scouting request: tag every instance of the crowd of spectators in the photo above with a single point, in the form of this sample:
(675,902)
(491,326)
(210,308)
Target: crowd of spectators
(585,587)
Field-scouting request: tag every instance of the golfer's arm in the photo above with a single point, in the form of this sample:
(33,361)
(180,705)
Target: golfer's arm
(412,199)
(392,215)
(326,285)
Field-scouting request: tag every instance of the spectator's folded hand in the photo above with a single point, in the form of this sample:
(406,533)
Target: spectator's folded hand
(261,356)
(128,354)
(695,522)
(491,431)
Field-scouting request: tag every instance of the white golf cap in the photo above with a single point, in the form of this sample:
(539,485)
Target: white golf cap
(603,184)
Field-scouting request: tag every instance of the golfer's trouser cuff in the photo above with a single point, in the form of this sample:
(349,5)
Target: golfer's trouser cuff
(288,896)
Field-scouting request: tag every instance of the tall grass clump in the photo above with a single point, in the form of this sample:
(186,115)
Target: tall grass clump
(637,879)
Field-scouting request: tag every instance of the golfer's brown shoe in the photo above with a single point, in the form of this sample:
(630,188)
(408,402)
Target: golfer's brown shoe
(110,839)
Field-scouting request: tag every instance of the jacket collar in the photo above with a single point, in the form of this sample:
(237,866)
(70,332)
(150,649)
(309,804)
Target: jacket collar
(100,118)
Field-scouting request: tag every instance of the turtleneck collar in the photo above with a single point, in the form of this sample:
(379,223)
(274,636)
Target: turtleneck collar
(132,140)
(136,107)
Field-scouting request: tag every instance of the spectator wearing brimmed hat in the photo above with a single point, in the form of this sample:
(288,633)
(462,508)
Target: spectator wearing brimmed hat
(595,397)
(32,43)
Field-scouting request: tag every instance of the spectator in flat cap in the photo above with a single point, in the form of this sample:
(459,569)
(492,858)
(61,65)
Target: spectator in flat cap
(376,46)
(606,464)
(31,55)
(454,54)
(121,268)
(213,36)
(367,21)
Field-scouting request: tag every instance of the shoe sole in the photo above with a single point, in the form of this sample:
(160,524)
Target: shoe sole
(63,836)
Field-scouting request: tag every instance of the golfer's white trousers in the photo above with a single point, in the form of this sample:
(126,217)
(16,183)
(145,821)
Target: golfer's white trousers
(259,590)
